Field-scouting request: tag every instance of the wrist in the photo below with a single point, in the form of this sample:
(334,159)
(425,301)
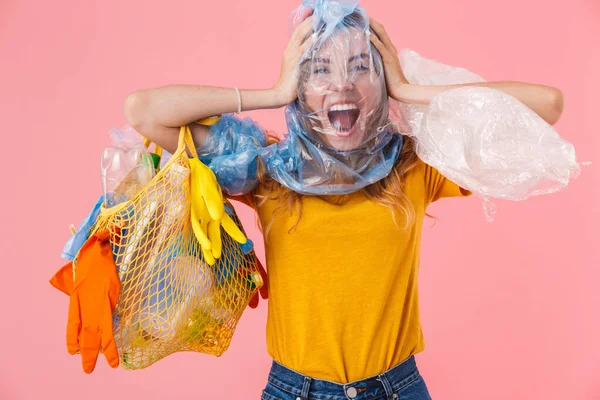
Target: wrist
(403,92)
(279,97)
(257,99)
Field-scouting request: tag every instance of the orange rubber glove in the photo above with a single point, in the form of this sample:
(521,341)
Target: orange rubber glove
(264,289)
(93,297)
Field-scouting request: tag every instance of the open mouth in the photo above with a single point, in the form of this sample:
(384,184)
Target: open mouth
(343,117)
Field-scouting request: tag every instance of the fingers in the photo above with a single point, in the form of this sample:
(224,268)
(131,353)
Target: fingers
(300,32)
(205,189)
(299,58)
(264,289)
(302,49)
(214,235)
(377,43)
(307,13)
(232,229)
(111,353)
(209,187)
(73,325)
(300,14)
(254,301)
(89,349)
(208,257)
(302,28)
(381,34)
(198,228)
(109,346)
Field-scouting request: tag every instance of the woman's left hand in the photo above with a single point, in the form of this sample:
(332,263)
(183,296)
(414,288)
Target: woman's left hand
(394,77)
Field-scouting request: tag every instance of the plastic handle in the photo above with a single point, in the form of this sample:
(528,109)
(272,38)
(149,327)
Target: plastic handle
(186,139)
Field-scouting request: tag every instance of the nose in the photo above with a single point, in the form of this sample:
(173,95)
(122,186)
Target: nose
(341,82)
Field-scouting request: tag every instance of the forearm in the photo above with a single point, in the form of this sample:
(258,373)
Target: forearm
(546,101)
(177,105)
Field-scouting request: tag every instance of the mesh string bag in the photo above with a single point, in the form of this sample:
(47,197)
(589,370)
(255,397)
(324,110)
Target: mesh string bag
(171,300)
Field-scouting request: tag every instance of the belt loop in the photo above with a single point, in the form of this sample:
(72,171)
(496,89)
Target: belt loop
(305,388)
(386,386)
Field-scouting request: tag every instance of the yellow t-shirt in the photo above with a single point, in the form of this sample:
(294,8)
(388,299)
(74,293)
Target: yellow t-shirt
(343,295)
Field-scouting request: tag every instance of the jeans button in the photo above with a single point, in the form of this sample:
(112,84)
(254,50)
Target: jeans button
(351,392)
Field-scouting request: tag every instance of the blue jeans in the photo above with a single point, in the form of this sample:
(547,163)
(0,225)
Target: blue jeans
(401,382)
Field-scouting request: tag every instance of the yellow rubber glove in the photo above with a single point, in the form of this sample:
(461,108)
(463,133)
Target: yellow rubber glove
(208,212)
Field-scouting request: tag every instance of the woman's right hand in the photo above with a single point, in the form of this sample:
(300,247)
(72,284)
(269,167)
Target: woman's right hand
(287,83)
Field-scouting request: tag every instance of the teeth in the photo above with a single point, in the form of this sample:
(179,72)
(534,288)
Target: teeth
(342,107)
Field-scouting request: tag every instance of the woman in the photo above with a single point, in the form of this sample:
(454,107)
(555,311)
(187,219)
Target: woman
(342,227)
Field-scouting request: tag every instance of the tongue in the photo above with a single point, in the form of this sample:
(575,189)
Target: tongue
(343,120)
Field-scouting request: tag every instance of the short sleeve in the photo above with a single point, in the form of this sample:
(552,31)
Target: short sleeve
(231,150)
(437,186)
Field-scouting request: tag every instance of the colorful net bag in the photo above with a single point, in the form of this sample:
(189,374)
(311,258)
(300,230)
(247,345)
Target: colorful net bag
(172,299)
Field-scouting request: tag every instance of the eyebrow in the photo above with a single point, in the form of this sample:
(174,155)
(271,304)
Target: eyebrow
(356,57)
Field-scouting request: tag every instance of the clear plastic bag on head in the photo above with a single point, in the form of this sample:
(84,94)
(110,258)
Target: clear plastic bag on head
(484,139)
(341,136)
(345,133)
(342,94)
(126,167)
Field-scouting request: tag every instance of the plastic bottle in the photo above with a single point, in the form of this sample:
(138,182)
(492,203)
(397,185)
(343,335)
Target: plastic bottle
(126,166)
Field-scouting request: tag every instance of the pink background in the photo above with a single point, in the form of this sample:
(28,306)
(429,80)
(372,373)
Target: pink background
(509,309)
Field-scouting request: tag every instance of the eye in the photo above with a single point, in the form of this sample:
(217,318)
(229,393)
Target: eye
(320,70)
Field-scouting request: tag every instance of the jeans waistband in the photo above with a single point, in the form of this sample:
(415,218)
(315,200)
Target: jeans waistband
(382,385)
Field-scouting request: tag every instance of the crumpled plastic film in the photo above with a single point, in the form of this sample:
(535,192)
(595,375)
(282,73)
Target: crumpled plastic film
(341,136)
(484,139)
(231,151)
(343,129)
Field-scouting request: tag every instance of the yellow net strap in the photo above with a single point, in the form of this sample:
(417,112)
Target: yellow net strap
(186,139)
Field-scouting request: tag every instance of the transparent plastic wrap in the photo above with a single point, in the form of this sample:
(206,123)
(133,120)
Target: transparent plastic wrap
(484,139)
(341,136)
(126,166)
(345,133)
